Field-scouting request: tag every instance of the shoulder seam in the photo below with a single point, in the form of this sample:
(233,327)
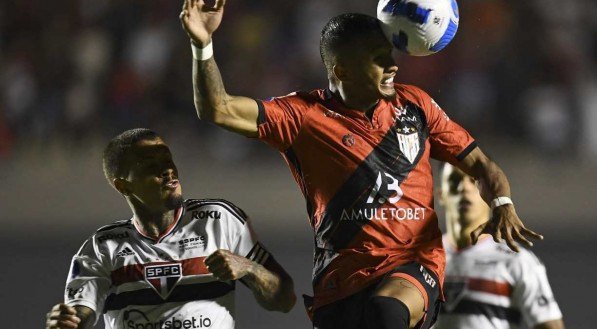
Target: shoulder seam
(311,99)
(114,225)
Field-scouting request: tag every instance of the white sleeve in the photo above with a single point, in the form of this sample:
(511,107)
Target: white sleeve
(532,293)
(88,280)
(244,241)
(247,245)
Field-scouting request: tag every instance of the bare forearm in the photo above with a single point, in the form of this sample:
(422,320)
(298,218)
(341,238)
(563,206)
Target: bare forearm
(208,89)
(492,180)
(273,291)
(213,104)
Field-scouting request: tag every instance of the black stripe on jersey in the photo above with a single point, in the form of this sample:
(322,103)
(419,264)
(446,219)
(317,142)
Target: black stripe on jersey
(196,202)
(293,161)
(466,151)
(239,211)
(466,306)
(261,112)
(192,202)
(235,211)
(180,293)
(116,224)
(258,253)
(334,232)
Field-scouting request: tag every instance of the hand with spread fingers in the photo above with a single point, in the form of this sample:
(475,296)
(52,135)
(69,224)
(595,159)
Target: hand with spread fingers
(505,224)
(200,20)
(225,265)
(62,316)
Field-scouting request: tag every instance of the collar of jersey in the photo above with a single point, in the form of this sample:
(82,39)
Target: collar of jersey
(482,240)
(332,103)
(162,235)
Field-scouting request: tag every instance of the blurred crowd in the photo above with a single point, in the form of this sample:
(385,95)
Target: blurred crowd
(74,70)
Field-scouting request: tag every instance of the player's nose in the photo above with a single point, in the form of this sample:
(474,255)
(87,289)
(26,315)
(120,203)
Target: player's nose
(391,66)
(468,186)
(168,172)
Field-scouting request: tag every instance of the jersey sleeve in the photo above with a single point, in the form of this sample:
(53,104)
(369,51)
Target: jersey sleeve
(249,246)
(532,293)
(88,280)
(449,141)
(280,119)
(244,241)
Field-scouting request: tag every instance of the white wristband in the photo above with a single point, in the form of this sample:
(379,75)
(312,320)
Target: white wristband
(500,201)
(202,54)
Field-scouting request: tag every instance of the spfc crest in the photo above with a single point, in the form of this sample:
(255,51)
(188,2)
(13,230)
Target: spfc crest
(163,278)
(409,143)
(454,290)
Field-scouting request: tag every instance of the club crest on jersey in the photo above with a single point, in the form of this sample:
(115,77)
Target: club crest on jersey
(408,140)
(163,278)
(348,140)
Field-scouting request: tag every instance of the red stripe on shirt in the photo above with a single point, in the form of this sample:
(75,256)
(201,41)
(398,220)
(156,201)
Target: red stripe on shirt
(492,287)
(135,272)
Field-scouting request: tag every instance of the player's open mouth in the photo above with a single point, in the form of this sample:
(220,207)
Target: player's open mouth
(464,204)
(172,184)
(389,82)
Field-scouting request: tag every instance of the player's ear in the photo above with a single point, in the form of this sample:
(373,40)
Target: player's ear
(340,72)
(121,185)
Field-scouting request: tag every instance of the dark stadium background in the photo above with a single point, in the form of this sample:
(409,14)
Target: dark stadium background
(520,75)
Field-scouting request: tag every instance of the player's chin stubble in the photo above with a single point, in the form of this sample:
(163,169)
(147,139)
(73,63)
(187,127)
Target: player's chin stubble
(174,201)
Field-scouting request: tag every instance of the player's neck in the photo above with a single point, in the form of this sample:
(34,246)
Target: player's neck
(462,239)
(459,234)
(352,101)
(153,224)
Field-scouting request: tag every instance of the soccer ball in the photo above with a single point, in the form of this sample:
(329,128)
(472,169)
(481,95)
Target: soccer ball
(419,27)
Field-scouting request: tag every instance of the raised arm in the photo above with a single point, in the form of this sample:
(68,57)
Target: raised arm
(493,183)
(212,102)
(272,287)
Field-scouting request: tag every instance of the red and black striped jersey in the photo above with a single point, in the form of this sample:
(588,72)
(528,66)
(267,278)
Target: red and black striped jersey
(138,282)
(367,181)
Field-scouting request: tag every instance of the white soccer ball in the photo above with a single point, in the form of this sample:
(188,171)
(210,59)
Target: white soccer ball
(419,27)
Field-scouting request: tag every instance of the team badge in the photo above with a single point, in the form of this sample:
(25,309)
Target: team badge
(348,140)
(408,140)
(454,291)
(163,278)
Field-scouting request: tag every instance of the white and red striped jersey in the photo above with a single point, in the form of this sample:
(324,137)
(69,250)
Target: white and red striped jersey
(138,282)
(488,286)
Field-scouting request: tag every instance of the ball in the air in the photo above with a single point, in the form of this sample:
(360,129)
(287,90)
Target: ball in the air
(419,27)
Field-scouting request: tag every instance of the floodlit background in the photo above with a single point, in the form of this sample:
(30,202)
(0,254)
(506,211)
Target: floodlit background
(520,75)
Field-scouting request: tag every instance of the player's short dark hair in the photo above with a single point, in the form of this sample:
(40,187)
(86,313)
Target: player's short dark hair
(341,31)
(115,153)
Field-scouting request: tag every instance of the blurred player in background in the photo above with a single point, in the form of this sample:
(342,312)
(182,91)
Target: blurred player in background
(359,150)
(175,263)
(487,285)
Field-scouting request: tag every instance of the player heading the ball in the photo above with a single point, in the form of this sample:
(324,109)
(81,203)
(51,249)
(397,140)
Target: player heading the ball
(359,150)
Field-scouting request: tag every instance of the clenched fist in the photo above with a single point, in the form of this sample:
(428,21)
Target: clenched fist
(62,316)
(225,265)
